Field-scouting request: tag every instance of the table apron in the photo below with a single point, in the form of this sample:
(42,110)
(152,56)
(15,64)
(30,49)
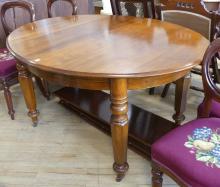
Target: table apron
(104,83)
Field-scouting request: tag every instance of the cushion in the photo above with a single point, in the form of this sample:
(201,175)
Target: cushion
(214,111)
(191,152)
(132,9)
(7,63)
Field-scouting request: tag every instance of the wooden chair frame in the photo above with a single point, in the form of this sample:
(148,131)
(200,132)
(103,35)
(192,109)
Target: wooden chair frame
(11,79)
(209,84)
(157,172)
(19,4)
(50,3)
(116,8)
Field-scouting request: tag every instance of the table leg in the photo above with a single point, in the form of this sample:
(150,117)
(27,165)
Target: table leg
(119,125)
(182,87)
(27,87)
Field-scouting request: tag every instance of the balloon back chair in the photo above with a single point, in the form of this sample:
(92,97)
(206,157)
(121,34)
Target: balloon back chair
(190,154)
(8,71)
(54,10)
(137,8)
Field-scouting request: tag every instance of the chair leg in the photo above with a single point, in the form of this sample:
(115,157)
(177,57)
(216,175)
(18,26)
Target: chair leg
(157,176)
(151,91)
(165,90)
(153,9)
(43,86)
(8,99)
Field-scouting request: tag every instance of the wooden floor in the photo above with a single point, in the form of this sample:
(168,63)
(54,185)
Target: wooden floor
(64,151)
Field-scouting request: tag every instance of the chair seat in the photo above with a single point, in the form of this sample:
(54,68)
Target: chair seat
(191,152)
(7,63)
(214,111)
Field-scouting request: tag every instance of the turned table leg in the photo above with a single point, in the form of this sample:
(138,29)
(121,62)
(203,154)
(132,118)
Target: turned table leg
(27,87)
(119,125)
(182,87)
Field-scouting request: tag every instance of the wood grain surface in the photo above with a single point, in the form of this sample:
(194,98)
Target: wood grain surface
(107,46)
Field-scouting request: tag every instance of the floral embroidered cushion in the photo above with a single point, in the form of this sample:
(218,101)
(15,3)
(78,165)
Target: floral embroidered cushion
(132,9)
(7,63)
(205,144)
(192,152)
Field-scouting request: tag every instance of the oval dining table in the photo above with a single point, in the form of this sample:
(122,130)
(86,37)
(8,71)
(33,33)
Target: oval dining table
(100,52)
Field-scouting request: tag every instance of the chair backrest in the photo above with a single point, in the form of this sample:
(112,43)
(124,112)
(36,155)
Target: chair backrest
(54,11)
(189,13)
(11,9)
(211,89)
(137,8)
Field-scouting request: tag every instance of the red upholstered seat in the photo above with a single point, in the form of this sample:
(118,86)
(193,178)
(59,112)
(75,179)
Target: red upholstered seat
(191,152)
(7,63)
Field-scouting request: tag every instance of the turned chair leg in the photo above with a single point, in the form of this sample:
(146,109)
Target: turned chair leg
(165,90)
(8,99)
(43,86)
(157,177)
(151,91)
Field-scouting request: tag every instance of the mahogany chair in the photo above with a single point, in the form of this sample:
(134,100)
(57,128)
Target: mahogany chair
(190,14)
(210,107)
(190,154)
(8,71)
(52,13)
(137,8)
